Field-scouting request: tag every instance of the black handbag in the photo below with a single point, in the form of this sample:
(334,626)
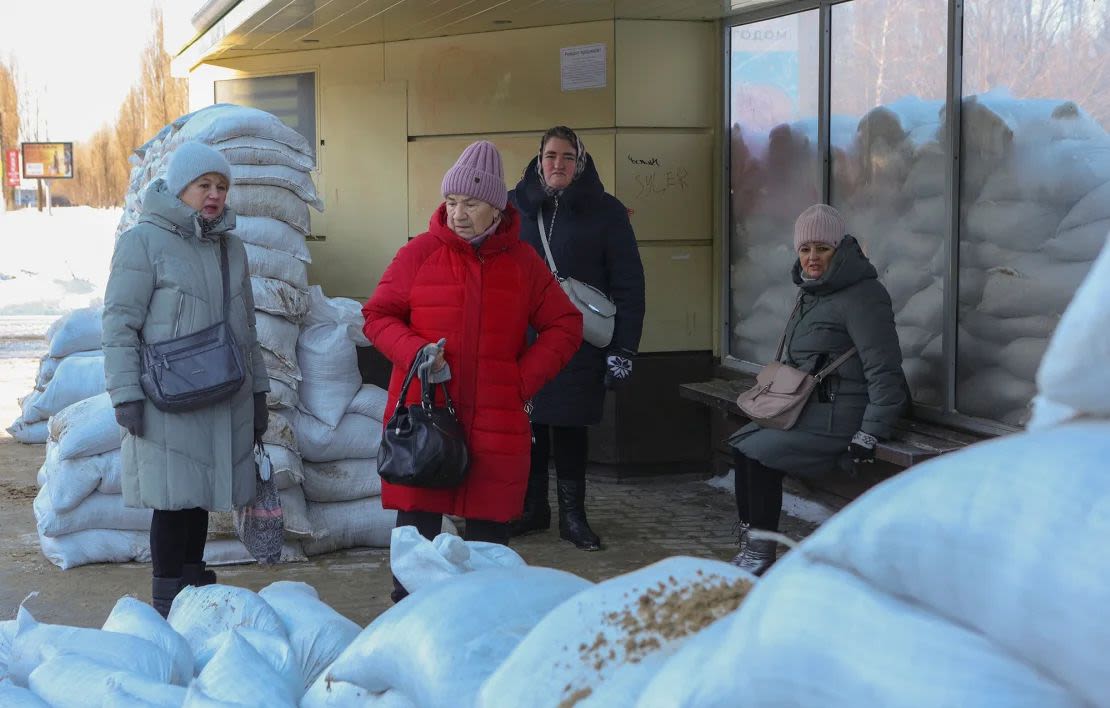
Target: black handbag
(197,370)
(422,445)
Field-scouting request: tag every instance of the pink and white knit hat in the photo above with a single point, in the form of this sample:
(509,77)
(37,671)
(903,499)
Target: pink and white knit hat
(819,224)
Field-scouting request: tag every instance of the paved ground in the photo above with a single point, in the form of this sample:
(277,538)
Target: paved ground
(640,523)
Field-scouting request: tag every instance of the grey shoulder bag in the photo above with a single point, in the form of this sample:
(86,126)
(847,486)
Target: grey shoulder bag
(781,392)
(199,369)
(598,311)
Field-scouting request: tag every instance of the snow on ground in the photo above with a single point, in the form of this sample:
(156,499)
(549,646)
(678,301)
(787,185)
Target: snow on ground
(51,264)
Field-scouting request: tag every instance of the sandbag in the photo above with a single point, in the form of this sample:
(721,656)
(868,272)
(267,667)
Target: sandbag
(351,524)
(86,428)
(276,297)
(138,619)
(71,481)
(279,433)
(1072,372)
(274,202)
(228,551)
(672,685)
(272,234)
(296,181)
(13,696)
(281,396)
(81,680)
(260,151)
(328,359)
(317,633)
(288,469)
(274,649)
(7,634)
(294,512)
(238,675)
(79,331)
(341,480)
(278,336)
(200,613)
(48,365)
(97,511)
(126,690)
(356,437)
(96,546)
(224,121)
(417,562)
(37,642)
(30,433)
(76,379)
(611,638)
(438,646)
(370,401)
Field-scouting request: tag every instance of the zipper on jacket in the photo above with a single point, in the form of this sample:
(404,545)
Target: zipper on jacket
(177,315)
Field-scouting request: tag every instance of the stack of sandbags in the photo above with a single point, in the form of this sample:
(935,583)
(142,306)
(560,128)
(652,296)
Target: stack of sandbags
(338,429)
(79,509)
(272,191)
(220,646)
(71,371)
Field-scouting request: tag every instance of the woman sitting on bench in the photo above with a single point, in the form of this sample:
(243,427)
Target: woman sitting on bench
(841,304)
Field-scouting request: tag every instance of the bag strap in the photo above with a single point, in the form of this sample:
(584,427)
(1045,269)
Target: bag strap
(408,381)
(428,395)
(782,339)
(543,237)
(225,277)
(820,375)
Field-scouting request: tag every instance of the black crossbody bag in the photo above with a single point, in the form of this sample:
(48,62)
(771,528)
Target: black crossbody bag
(197,370)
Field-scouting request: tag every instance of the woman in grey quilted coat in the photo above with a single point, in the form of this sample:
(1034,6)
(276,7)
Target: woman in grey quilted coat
(165,282)
(841,304)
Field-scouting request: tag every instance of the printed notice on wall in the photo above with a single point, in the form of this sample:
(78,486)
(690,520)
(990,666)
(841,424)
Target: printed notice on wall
(582,67)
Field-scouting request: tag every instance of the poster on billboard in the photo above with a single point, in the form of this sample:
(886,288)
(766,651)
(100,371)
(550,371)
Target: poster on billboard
(47,160)
(11,167)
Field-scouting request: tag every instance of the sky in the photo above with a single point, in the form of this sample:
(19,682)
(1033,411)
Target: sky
(78,57)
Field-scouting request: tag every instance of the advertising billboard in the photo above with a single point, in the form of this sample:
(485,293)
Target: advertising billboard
(47,160)
(11,167)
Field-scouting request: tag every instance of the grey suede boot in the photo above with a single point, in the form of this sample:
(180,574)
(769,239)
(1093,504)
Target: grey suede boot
(162,593)
(757,556)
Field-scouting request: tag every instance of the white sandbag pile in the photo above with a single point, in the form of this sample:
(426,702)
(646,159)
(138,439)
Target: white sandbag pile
(71,371)
(1035,202)
(221,646)
(271,165)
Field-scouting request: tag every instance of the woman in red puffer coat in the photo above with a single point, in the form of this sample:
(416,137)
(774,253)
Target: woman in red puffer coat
(471,281)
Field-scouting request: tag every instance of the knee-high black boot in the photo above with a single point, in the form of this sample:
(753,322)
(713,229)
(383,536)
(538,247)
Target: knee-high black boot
(573,526)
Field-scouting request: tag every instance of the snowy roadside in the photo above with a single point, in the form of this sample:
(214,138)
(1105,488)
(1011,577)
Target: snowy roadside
(54,263)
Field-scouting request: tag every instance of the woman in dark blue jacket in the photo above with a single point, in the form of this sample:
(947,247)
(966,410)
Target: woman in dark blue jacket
(591,240)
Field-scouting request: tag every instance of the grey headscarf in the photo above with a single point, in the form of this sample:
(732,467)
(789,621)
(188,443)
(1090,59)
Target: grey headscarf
(562,131)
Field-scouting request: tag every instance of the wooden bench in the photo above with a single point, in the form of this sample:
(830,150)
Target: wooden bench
(914,441)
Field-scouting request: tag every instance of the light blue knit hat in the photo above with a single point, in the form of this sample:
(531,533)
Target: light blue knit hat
(191,160)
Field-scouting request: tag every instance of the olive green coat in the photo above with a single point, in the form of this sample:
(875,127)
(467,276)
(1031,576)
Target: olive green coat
(846,306)
(164,283)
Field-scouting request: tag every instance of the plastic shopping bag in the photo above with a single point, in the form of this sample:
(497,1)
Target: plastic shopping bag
(260,524)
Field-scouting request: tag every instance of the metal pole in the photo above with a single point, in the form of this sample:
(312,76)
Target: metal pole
(952,148)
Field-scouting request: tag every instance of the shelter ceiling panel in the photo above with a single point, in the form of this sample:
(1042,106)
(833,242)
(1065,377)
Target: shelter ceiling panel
(666,178)
(472,85)
(430,158)
(679,296)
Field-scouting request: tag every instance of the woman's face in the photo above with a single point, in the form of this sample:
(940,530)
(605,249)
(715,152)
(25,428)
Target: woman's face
(207,194)
(468,216)
(815,258)
(558,159)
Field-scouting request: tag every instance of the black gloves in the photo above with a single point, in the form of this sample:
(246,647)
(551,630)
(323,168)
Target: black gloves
(862,448)
(130,417)
(618,368)
(261,415)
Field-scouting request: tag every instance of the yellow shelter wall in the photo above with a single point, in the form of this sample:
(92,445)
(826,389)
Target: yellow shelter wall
(392,118)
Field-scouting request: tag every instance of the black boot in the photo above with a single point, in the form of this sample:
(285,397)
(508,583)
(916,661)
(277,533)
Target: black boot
(197,575)
(573,526)
(537,510)
(162,593)
(757,556)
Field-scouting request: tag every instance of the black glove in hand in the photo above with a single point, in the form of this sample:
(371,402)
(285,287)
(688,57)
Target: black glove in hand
(862,448)
(618,368)
(130,417)
(261,415)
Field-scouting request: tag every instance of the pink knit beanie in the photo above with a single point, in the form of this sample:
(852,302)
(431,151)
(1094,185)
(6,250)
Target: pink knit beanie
(819,224)
(478,174)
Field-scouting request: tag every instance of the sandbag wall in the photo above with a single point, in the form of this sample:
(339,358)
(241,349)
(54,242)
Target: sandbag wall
(1035,206)
(72,370)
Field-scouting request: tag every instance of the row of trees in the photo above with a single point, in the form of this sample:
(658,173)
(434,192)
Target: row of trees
(101,169)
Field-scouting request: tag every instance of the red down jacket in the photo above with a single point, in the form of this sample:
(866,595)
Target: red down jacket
(483,301)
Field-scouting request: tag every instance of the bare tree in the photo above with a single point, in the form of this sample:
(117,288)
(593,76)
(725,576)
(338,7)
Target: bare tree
(9,120)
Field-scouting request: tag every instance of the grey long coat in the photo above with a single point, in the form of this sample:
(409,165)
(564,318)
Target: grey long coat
(165,283)
(846,306)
